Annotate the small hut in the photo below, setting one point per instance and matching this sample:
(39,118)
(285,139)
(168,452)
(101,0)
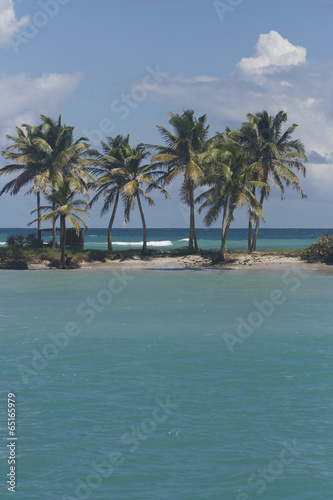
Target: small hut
(73,239)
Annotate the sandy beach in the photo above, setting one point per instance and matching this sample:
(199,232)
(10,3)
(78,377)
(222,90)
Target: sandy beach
(235,261)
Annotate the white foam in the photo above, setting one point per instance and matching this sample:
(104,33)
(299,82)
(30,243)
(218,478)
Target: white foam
(2,243)
(166,243)
(185,239)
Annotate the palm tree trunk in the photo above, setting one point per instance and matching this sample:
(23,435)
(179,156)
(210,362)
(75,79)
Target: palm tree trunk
(112,221)
(249,234)
(225,236)
(54,224)
(193,244)
(39,223)
(54,228)
(256,230)
(62,238)
(54,233)
(144,245)
(224,220)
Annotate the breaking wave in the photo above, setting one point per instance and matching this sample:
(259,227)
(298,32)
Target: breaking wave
(166,243)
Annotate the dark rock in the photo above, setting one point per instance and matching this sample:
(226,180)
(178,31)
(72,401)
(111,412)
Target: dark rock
(18,265)
(55,263)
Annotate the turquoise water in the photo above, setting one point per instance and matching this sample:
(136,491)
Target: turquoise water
(168,385)
(208,239)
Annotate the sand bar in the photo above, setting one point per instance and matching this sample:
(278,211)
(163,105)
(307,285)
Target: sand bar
(238,261)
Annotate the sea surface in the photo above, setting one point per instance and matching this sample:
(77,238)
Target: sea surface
(168,239)
(166,385)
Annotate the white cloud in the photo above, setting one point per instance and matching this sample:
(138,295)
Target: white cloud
(195,79)
(273,52)
(24,99)
(9,25)
(302,90)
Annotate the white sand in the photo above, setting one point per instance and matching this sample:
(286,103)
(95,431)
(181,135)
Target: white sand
(236,261)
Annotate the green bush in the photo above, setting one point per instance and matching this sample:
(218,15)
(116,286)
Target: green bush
(321,251)
(20,241)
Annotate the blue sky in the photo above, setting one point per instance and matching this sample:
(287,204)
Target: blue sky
(119,66)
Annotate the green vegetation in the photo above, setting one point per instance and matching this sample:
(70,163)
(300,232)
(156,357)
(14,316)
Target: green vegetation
(46,154)
(21,241)
(65,207)
(121,174)
(110,179)
(275,155)
(321,251)
(231,183)
(182,155)
(236,168)
(50,256)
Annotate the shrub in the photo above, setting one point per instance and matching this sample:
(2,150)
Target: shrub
(321,251)
(20,241)
(11,242)
(31,241)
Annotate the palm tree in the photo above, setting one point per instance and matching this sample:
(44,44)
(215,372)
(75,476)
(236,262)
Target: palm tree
(28,166)
(181,156)
(275,153)
(110,180)
(131,177)
(62,157)
(44,154)
(64,207)
(230,182)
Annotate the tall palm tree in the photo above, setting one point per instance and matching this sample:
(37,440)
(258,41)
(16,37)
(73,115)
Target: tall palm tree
(110,178)
(275,153)
(44,154)
(230,181)
(65,208)
(132,176)
(62,157)
(184,145)
(27,165)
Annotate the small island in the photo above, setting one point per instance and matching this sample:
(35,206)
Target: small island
(48,258)
(220,174)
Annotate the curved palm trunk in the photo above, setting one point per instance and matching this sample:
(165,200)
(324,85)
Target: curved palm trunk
(192,244)
(224,220)
(39,223)
(112,221)
(62,238)
(144,246)
(249,233)
(256,230)
(225,229)
(225,236)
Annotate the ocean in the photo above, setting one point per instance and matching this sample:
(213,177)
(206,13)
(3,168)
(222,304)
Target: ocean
(187,385)
(168,239)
